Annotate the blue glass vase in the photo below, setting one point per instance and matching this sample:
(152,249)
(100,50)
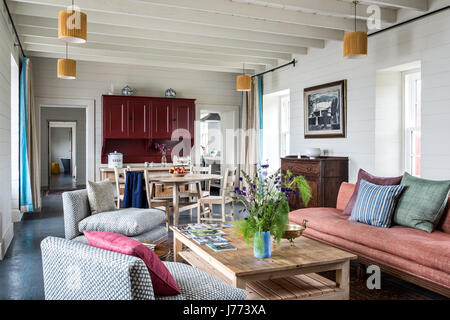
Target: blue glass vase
(266,250)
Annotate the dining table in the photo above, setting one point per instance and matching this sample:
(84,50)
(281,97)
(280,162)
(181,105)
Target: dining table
(177,181)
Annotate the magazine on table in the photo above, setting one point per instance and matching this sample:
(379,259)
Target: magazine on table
(208,232)
(220,225)
(210,239)
(221,247)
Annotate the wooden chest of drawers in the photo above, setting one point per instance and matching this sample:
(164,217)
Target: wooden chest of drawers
(325,176)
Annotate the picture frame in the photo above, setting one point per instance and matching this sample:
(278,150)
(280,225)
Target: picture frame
(325,110)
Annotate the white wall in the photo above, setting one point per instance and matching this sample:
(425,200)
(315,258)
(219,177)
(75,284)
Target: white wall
(60,147)
(77,115)
(426,40)
(6,49)
(211,89)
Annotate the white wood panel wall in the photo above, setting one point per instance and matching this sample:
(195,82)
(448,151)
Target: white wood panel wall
(427,40)
(6,49)
(94,79)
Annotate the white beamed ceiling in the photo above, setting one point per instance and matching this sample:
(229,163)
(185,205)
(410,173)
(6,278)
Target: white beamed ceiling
(216,35)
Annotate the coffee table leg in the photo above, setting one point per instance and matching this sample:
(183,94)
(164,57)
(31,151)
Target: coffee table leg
(177,247)
(343,279)
(176,203)
(239,283)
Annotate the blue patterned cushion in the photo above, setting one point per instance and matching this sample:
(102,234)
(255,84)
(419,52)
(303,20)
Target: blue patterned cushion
(375,204)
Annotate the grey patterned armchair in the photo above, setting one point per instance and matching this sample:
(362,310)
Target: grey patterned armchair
(76,271)
(77,210)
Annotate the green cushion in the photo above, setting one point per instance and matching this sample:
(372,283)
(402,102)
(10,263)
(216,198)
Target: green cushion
(422,203)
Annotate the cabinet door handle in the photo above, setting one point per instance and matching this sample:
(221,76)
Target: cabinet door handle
(145,118)
(122,117)
(309,169)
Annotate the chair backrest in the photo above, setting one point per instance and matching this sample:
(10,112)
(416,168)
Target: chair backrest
(229,181)
(149,187)
(203,170)
(122,277)
(76,208)
(120,177)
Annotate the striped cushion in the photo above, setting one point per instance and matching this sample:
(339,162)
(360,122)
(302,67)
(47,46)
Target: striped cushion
(375,204)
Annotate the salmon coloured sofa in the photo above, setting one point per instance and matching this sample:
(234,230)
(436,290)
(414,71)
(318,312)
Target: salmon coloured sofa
(410,254)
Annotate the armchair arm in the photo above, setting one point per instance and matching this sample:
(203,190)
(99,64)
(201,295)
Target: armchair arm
(75,271)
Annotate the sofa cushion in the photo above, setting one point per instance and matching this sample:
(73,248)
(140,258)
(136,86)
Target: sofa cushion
(431,250)
(129,222)
(375,204)
(345,194)
(364,175)
(422,204)
(163,282)
(444,224)
(101,196)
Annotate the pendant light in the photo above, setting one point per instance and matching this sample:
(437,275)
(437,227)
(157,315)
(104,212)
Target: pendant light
(244,82)
(355,43)
(72,25)
(67,68)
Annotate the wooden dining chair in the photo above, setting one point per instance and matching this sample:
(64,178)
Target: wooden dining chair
(155,202)
(206,191)
(120,178)
(205,205)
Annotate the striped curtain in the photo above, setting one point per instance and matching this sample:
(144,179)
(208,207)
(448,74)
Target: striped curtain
(30,199)
(251,144)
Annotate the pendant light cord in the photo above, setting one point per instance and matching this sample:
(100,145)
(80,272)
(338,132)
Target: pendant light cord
(356,3)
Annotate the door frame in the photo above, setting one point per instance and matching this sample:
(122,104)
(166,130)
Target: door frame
(89,106)
(73,150)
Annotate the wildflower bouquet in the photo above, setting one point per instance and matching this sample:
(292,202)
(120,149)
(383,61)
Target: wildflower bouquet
(266,201)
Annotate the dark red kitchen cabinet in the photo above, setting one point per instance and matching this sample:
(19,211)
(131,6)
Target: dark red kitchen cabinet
(139,126)
(183,113)
(161,119)
(132,125)
(115,124)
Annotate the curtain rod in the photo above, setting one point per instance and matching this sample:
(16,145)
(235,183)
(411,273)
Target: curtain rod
(410,20)
(14,28)
(293,62)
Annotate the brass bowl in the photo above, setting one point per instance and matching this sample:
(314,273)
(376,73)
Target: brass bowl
(294,231)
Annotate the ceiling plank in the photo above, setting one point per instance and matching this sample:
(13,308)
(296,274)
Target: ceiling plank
(28,15)
(417,5)
(145,43)
(133,61)
(107,48)
(147,16)
(330,7)
(58,51)
(161,36)
(261,12)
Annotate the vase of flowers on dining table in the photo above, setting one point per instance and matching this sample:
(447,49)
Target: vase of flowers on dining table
(163,148)
(265,199)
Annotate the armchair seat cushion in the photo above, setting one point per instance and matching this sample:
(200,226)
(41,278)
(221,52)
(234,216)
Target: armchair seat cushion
(196,284)
(129,222)
(155,235)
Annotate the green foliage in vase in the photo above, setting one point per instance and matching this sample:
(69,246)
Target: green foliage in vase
(266,202)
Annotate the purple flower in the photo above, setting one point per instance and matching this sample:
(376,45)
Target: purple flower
(265,166)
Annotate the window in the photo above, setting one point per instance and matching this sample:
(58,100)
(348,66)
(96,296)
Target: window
(284,126)
(276,128)
(413,118)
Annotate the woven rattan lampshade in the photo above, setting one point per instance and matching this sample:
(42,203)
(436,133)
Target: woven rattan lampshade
(67,69)
(244,83)
(72,26)
(355,45)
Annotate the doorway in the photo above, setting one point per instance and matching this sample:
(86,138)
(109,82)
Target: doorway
(62,155)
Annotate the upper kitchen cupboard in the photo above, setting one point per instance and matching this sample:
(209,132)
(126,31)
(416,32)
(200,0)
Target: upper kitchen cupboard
(131,125)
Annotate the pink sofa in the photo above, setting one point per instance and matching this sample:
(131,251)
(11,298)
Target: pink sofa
(412,255)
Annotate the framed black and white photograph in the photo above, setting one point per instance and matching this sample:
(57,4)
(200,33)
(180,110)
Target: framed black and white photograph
(326,110)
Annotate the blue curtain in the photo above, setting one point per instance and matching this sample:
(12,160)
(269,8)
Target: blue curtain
(26,196)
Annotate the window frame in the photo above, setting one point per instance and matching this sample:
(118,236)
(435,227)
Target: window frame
(411,126)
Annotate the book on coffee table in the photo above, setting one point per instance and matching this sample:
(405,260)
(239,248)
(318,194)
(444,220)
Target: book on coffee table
(221,247)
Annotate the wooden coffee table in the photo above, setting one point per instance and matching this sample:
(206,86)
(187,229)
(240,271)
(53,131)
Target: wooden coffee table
(290,274)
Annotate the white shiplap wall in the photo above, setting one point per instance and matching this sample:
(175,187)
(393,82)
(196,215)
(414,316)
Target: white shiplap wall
(94,80)
(6,49)
(426,40)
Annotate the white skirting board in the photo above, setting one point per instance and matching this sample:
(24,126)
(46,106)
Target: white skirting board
(6,241)
(16,215)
